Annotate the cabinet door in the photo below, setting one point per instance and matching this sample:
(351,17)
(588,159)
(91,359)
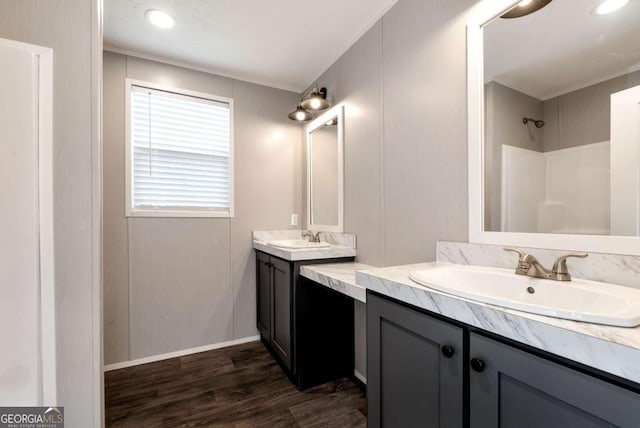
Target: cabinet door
(413,378)
(263,289)
(518,389)
(281,321)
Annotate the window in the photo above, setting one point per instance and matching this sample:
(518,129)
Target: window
(179,153)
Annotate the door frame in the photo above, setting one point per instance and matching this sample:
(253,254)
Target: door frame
(96,211)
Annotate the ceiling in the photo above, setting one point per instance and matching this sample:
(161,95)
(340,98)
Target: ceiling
(280,43)
(562,47)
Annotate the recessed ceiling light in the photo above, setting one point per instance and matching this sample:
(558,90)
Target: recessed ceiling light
(160,19)
(609,6)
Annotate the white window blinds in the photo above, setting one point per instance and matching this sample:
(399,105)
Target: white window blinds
(180,152)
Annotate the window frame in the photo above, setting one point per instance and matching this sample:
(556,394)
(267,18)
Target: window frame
(130,210)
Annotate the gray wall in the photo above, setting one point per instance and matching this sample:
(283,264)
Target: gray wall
(65,26)
(177,283)
(404,87)
(356,80)
(504,109)
(583,116)
(425,127)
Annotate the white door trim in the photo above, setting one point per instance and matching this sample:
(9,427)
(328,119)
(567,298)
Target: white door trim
(96,211)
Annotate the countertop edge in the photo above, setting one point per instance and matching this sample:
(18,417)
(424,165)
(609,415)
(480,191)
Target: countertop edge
(294,255)
(336,281)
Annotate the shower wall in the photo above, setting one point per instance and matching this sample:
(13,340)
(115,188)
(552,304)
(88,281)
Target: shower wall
(523,188)
(562,191)
(504,110)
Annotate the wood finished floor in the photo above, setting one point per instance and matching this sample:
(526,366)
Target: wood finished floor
(239,386)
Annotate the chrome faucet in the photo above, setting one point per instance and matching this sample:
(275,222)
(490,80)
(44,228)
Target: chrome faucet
(313,237)
(530,266)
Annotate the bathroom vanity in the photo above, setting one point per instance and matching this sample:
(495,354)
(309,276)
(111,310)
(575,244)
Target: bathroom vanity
(508,384)
(533,183)
(434,359)
(309,327)
(311,343)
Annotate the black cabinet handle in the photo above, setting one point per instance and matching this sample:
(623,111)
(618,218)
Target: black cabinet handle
(477,365)
(448,351)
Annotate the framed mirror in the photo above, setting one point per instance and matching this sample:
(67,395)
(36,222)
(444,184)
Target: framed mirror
(554,126)
(325,171)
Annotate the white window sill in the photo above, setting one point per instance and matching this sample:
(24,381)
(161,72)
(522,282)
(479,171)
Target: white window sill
(178,213)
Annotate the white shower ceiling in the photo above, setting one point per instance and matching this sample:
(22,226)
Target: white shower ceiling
(280,43)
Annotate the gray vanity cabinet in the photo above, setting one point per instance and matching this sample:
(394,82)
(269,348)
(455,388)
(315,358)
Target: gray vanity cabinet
(263,289)
(513,388)
(307,327)
(486,382)
(281,338)
(273,285)
(414,368)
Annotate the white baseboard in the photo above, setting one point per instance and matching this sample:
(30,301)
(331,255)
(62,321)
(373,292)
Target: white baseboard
(181,353)
(360,376)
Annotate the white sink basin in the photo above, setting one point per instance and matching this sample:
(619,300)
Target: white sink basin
(579,299)
(297,244)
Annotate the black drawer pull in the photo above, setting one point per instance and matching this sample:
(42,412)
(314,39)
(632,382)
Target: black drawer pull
(477,365)
(448,351)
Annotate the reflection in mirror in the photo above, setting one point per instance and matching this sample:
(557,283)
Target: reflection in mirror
(325,171)
(561,121)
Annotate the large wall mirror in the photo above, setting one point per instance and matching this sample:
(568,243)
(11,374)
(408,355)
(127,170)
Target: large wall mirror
(554,126)
(325,171)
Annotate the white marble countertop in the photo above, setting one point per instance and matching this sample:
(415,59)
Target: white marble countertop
(340,245)
(340,277)
(331,252)
(614,350)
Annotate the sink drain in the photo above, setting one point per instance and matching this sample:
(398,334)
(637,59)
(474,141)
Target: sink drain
(531,290)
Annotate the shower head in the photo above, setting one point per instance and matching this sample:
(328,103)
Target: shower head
(537,123)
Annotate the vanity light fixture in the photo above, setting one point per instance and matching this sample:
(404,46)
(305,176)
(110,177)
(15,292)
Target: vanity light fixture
(300,114)
(313,100)
(609,6)
(317,100)
(160,18)
(526,7)
(537,122)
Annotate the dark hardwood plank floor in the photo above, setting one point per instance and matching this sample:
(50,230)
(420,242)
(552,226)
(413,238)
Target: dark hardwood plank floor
(239,386)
